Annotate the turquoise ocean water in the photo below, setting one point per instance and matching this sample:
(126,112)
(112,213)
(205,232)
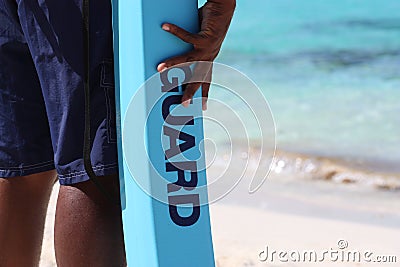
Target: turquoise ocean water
(330,71)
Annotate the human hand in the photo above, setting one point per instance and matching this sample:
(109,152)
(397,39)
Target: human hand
(215,17)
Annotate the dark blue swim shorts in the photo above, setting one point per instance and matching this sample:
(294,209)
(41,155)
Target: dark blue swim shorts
(42,99)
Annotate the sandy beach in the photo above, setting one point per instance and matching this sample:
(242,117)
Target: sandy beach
(296,214)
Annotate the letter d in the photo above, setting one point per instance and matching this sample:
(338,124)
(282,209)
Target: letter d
(263,255)
(175,201)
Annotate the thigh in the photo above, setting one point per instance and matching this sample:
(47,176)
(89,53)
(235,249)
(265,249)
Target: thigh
(96,224)
(23,206)
(25,145)
(54,32)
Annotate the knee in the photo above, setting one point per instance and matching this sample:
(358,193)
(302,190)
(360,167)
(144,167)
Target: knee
(103,192)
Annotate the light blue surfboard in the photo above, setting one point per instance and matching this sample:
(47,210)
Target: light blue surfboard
(161,186)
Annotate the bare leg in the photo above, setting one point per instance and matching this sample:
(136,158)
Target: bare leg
(88,230)
(23,206)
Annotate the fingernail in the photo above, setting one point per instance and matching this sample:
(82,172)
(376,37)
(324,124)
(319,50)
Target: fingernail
(166,27)
(204,106)
(161,67)
(186,103)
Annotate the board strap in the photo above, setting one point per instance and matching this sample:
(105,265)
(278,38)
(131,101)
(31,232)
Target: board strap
(87,147)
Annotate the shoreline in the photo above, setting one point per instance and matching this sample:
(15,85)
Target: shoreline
(335,170)
(371,164)
(310,166)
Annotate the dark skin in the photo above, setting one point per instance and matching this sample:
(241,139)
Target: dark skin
(215,17)
(88,226)
(88,230)
(23,206)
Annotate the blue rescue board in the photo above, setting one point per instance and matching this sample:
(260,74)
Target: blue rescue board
(168,228)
